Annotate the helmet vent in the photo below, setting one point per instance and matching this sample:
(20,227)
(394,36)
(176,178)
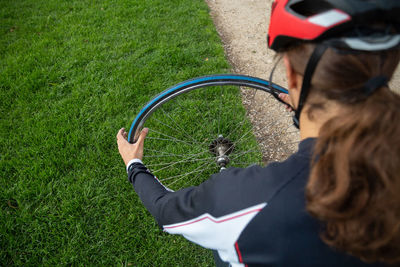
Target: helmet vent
(308,8)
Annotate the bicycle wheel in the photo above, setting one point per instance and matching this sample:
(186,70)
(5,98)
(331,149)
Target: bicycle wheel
(203,125)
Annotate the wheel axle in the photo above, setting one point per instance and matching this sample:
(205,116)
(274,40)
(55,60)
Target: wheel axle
(221,147)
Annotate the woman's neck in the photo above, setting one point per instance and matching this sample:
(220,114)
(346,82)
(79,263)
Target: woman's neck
(311,123)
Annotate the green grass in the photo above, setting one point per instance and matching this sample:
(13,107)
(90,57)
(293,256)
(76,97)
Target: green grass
(71,74)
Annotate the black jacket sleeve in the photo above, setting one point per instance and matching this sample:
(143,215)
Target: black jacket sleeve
(224,193)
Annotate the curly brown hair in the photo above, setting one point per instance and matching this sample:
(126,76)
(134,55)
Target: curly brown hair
(354,185)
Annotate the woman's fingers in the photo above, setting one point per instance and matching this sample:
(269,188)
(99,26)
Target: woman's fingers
(142,135)
(130,151)
(120,133)
(287,100)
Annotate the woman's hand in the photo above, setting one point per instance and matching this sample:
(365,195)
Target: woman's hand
(286,98)
(130,151)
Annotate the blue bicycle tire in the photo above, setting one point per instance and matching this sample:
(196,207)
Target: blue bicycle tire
(198,83)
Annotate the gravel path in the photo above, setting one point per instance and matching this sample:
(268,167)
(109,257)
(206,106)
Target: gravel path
(243,30)
(242,25)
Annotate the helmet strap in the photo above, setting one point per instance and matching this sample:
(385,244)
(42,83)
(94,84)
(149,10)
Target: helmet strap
(374,84)
(305,88)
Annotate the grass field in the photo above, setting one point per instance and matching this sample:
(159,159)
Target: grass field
(71,74)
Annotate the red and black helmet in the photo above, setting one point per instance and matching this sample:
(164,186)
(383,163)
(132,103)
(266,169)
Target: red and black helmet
(294,21)
(364,25)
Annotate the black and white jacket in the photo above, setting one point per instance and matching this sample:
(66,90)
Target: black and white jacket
(253,217)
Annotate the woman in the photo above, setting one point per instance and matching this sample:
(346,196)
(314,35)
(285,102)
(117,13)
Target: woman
(335,202)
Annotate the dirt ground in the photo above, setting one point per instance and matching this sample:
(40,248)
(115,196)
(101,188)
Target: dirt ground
(242,25)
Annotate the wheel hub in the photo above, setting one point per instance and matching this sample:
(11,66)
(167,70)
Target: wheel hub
(221,147)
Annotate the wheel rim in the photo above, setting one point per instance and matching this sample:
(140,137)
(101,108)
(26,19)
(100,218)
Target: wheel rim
(195,132)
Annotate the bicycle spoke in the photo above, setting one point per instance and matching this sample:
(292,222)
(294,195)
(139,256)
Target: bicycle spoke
(175,130)
(238,141)
(171,137)
(237,127)
(201,171)
(177,162)
(186,174)
(168,139)
(171,154)
(243,153)
(176,124)
(168,166)
(245,163)
(197,111)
